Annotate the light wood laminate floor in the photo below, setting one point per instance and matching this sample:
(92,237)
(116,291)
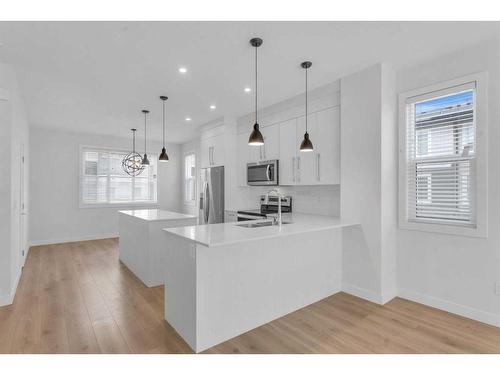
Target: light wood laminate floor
(78,298)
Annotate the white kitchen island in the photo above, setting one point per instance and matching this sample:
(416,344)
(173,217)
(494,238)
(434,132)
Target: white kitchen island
(142,241)
(223,279)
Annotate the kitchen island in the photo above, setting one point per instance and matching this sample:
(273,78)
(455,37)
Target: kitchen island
(225,279)
(141,241)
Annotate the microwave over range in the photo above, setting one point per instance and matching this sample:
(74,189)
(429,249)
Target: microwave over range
(263,173)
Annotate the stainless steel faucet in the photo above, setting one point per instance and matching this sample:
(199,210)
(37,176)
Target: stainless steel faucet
(278,218)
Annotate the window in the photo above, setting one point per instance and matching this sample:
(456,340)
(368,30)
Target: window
(442,170)
(190,179)
(104,182)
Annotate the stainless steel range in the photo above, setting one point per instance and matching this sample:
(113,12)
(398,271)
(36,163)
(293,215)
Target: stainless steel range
(266,208)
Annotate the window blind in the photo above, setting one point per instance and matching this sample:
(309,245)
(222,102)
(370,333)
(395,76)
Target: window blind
(190,178)
(441,156)
(103,181)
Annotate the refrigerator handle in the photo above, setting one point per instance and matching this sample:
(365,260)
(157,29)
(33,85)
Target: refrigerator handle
(207,204)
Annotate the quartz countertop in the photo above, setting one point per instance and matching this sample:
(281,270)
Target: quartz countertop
(156,215)
(211,235)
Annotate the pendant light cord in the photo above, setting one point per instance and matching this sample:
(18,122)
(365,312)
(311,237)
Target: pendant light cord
(145,138)
(164,124)
(306,100)
(133,141)
(256,84)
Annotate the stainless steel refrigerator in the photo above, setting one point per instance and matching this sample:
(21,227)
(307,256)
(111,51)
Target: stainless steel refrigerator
(212,195)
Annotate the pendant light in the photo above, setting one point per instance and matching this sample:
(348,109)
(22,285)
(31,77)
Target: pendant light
(256,138)
(131,163)
(306,145)
(163,156)
(145,160)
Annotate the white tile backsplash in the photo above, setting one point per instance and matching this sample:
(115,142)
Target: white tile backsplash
(320,200)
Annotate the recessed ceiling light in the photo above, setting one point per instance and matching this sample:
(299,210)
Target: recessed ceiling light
(212,107)
(182,70)
(188,118)
(248,89)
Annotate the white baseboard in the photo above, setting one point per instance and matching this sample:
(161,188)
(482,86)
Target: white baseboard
(389,296)
(72,239)
(7,299)
(452,307)
(367,294)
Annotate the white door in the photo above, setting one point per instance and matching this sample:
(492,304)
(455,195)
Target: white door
(288,152)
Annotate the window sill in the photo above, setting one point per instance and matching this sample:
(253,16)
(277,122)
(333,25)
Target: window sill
(134,205)
(457,230)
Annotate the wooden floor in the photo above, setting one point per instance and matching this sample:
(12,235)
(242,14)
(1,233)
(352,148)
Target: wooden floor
(78,298)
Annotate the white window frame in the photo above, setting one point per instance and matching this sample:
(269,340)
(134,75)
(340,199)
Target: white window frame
(82,204)
(185,201)
(481,183)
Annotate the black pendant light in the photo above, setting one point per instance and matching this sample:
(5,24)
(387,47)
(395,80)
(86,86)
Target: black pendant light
(163,156)
(256,138)
(306,145)
(145,160)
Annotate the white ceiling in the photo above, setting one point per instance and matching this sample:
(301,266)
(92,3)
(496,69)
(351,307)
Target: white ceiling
(97,76)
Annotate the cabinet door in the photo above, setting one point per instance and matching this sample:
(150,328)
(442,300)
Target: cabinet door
(328,146)
(271,148)
(218,152)
(205,150)
(242,156)
(288,152)
(306,161)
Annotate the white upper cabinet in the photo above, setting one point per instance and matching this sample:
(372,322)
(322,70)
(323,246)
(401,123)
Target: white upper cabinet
(212,151)
(288,152)
(282,141)
(271,148)
(318,167)
(328,146)
(242,157)
(205,152)
(306,161)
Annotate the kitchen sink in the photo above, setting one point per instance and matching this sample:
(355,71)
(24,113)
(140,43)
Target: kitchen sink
(261,224)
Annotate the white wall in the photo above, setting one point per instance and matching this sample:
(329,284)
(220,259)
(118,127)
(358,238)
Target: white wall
(458,273)
(369,183)
(55,213)
(14,132)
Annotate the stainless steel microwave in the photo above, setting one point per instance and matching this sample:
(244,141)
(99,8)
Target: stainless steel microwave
(263,173)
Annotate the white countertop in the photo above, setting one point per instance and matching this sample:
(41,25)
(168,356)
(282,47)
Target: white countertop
(227,233)
(156,215)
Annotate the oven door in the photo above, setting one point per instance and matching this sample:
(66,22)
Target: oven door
(263,173)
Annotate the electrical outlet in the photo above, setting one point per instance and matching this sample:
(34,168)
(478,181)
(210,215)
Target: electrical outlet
(497,288)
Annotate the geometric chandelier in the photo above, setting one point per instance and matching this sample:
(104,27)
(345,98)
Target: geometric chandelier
(131,163)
